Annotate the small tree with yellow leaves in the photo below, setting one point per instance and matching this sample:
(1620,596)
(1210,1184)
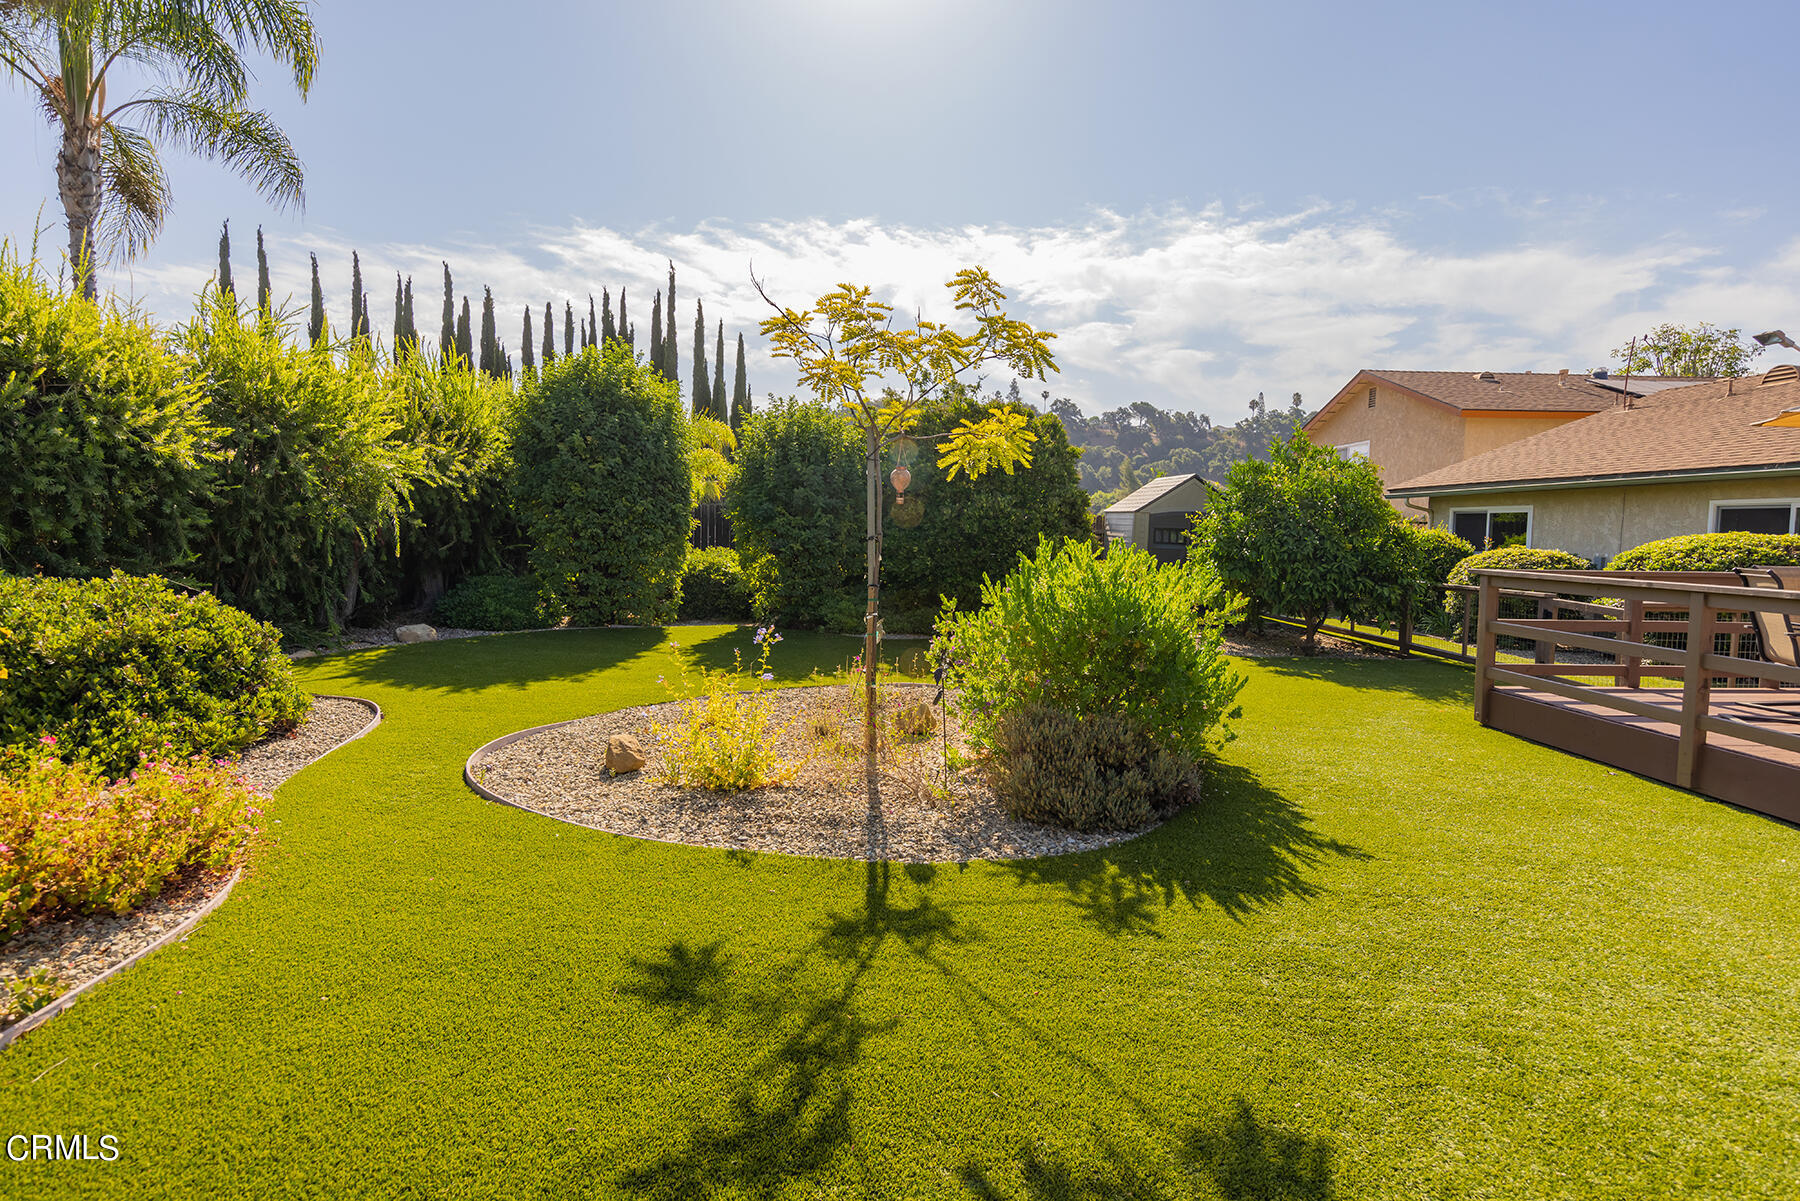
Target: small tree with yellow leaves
(850,353)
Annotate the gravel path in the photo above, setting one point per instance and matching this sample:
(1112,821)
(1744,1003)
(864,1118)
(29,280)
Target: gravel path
(75,949)
(822,812)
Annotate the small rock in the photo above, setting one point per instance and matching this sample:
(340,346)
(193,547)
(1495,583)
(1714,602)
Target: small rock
(917,720)
(418,633)
(302,654)
(624,753)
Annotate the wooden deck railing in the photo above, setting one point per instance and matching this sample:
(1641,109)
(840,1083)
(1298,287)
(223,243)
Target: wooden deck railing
(1619,628)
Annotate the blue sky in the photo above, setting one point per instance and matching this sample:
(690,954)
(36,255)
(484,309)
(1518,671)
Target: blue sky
(1204,200)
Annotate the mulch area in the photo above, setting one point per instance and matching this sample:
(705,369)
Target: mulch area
(74,948)
(925,815)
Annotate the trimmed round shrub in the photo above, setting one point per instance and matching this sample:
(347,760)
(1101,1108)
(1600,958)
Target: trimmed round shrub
(1085,773)
(116,668)
(1711,552)
(495,602)
(797,512)
(1508,558)
(1122,636)
(713,586)
(603,486)
(1438,551)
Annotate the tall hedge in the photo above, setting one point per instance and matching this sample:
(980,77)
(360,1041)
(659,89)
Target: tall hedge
(1711,552)
(970,530)
(307,472)
(602,486)
(797,514)
(101,436)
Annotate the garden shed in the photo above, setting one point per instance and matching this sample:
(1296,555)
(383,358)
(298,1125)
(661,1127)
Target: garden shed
(1157,516)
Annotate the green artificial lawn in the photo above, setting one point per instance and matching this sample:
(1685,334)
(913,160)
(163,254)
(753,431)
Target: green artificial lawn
(1391,955)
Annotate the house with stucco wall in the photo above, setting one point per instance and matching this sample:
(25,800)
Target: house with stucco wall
(1713,457)
(1412,423)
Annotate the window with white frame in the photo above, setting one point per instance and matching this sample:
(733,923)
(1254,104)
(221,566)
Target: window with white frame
(1773,516)
(1352,448)
(1488,528)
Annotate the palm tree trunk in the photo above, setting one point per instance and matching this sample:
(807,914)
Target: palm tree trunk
(79,182)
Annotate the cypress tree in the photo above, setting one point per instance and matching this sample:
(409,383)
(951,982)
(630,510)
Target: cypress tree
(671,357)
(315,323)
(549,335)
(363,316)
(593,323)
(465,339)
(525,345)
(656,334)
(399,319)
(740,390)
(490,343)
(702,389)
(412,325)
(359,305)
(625,329)
(225,288)
(608,331)
(568,327)
(264,293)
(447,334)
(718,379)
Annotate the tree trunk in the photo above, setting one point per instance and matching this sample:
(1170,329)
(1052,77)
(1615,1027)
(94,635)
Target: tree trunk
(871,648)
(79,182)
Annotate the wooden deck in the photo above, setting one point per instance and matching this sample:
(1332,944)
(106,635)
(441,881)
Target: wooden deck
(1731,729)
(1764,778)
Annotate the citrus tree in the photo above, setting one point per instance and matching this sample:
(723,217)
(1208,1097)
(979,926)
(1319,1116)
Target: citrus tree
(852,354)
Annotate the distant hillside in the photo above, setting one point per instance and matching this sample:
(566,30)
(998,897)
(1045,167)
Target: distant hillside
(1128,447)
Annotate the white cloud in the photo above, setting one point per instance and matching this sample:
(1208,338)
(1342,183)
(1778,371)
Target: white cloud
(1187,309)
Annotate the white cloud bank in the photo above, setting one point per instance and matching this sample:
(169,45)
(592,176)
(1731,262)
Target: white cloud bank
(1191,310)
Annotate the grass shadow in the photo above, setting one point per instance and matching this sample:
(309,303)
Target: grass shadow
(1245,1158)
(1427,679)
(1241,848)
(502,660)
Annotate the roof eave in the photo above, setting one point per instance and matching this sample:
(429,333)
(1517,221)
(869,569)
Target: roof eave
(1683,475)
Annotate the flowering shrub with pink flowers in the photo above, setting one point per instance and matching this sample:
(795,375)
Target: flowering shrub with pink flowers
(73,840)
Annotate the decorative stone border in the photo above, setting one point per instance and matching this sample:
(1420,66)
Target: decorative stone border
(67,1001)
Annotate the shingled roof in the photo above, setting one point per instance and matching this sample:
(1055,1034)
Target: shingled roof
(1502,391)
(1714,428)
(1161,486)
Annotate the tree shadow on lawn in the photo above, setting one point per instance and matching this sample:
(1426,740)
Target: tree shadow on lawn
(788,1114)
(1423,678)
(1245,1157)
(1242,847)
(502,660)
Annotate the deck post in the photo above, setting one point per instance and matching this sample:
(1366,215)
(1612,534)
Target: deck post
(1546,647)
(1696,689)
(1634,632)
(1485,615)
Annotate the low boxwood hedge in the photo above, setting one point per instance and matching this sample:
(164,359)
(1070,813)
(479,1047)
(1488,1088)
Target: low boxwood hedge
(1711,552)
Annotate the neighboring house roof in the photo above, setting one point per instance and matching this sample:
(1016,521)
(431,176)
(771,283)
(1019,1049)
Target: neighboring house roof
(1157,488)
(1719,428)
(1502,391)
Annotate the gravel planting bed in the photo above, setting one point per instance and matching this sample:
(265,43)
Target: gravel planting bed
(76,949)
(824,811)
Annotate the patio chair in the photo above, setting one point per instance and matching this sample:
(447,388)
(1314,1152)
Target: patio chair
(1776,632)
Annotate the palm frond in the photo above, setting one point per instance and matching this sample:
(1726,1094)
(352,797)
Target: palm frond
(137,192)
(247,141)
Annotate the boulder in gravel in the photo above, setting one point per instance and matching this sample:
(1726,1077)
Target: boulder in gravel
(916,720)
(624,753)
(418,633)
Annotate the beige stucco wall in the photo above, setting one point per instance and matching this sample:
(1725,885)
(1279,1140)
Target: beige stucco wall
(1407,436)
(1598,523)
(1482,433)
